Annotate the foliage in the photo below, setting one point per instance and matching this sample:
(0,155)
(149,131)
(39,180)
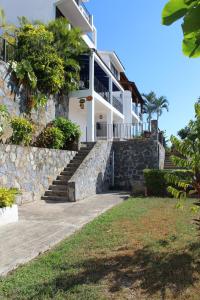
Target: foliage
(5,126)
(47,59)
(154,104)
(160,104)
(7,30)
(69,45)
(166,141)
(37,66)
(184,132)
(7,197)
(189,11)
(189,158)
(22,131)
(70,130)
(51,137)
(149,107)
(156,181)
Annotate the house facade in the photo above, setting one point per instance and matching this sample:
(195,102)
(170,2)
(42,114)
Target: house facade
(107,105)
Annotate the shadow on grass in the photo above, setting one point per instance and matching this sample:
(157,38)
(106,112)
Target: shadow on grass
(153,273)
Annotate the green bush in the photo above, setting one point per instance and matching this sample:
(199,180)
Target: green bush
(70,130)
(7,197)
(22,131)
(51,138)
(156,180)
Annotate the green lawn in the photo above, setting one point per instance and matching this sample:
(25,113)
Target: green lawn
(141,249)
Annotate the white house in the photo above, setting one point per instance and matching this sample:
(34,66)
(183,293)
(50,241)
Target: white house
(105,106)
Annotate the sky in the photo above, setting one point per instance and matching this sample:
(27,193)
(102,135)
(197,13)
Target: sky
(151,54)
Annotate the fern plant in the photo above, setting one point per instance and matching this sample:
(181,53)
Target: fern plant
(189,159)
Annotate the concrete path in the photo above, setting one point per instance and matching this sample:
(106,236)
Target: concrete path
(42,225)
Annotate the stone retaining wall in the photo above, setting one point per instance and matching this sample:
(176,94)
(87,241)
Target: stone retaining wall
(131,158)
(31,169)
(15,101)
(95,173)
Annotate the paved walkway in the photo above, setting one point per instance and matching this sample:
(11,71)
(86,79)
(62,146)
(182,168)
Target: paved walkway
(42,225)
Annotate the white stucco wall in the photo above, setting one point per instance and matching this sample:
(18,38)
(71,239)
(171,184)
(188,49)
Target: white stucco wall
(78,116)
(43,10)
(127,107)
(105,58)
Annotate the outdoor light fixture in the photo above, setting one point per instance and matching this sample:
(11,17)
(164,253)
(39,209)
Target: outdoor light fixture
(100,117)
(82,103)
(89,98)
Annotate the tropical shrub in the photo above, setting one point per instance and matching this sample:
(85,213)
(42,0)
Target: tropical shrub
(22,131)
(156,181)
(188,158)
(7,197)
(50,137)
(37,65)
(70,130)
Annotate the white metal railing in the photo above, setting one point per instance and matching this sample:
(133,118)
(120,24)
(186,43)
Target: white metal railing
(119,131)
(84,11)
(117,103)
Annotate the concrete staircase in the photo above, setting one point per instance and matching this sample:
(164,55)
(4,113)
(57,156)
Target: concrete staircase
(168,163)
(58,190)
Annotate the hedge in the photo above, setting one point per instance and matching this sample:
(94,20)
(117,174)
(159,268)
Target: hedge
(156,182)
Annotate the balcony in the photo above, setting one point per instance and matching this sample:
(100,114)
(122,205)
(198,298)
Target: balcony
(135,108)
(77,14)
(117,103)
(101,89)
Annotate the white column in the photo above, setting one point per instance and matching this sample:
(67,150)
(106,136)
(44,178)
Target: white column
(110,125)
(90,104)
(111,89)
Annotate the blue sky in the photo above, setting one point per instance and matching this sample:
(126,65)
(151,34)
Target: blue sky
(151,54)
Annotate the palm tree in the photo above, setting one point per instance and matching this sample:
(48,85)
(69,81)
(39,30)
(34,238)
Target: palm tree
(149,107)
(7,30)
(160,104)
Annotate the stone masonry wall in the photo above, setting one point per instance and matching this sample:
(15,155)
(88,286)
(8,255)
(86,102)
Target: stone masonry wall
(95,173)
(131,158)
(14,99)
(31,169)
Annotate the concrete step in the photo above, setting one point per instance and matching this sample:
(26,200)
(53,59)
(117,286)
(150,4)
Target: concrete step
(56,199)
(64,177)
(65,173)
(60,182)
(71,169)
(58,187)
(53,193)
(74,164)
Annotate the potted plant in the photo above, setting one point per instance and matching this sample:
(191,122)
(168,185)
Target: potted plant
(8,207)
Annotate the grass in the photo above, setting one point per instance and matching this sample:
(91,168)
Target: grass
(141,249)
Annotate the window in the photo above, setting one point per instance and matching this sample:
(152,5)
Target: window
(114,71)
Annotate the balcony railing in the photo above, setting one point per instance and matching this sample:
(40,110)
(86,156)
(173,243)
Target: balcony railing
(101,89)
(135,108)
(84,11)
(117,103)
(118,131)
(6,50)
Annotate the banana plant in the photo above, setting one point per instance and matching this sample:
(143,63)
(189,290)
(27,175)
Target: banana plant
(189,159)
(189,12)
